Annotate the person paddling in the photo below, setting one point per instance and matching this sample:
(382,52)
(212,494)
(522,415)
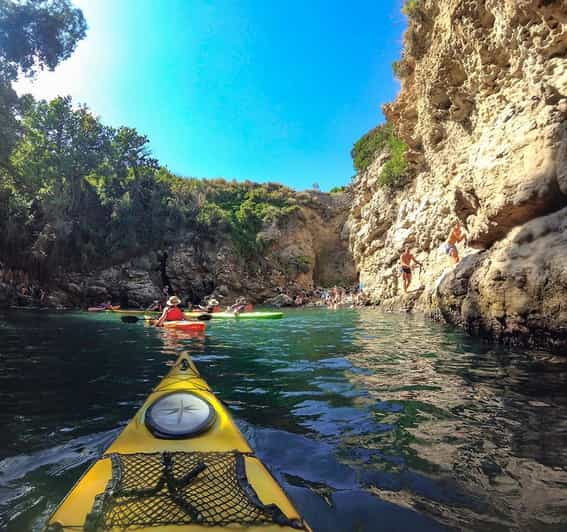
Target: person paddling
(171,312)
(406,259)
(209,305)
(238,307)
(155,306)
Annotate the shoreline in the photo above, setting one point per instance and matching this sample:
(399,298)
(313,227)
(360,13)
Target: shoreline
(554,343)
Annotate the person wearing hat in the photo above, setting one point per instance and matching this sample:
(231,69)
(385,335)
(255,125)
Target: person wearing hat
(238,307)
(213,305)
(210,304)
(171,312)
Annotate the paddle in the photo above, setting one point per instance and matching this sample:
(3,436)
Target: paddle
(134,319)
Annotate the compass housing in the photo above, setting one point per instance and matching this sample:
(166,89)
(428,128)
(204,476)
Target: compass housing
(178,415)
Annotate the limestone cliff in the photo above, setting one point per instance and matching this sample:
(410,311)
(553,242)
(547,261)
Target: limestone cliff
(483,109)
(305,249)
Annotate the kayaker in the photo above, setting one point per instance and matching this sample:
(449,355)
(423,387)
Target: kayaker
(155,306)
(210,304)
(171,312)
(238,307)
(213,305)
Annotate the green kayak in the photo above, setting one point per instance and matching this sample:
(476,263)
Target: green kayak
(133,312)
(243,315)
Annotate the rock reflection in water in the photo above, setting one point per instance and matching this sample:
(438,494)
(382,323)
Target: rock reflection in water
(487,427)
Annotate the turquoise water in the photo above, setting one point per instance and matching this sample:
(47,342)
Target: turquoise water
(370,421)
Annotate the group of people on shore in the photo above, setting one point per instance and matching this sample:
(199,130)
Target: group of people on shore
(407,259)
(22,287)
(334,297)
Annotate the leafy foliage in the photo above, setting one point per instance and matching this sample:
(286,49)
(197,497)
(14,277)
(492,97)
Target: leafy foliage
(411,8)
(77,193)
(379,139)
(339,190)
(34,34)
(401,69)
(395,168)
(81,193)
(366,148)
(37,34)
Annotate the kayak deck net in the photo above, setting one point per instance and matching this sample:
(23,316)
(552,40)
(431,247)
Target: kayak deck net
(181,488)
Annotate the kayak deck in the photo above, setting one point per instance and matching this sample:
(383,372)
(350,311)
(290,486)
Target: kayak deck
(206,481)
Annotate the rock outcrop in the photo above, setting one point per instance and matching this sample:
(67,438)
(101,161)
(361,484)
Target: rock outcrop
(305,249)
(483,109)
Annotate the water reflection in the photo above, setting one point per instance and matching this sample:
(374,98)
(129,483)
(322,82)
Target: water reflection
(486,428)
(369,420)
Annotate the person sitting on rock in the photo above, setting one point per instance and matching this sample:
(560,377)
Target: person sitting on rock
(457,235)
(171,312)
(406,258)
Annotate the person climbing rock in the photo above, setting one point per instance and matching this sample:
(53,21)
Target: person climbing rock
(406,259)
(457,235)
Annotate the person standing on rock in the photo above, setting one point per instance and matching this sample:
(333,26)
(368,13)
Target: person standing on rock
(406,259)
(457,235)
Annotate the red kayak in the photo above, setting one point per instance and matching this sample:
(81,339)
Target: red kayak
(182,325)
(193,326)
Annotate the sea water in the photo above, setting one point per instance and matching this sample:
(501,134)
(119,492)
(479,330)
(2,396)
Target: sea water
(370,421)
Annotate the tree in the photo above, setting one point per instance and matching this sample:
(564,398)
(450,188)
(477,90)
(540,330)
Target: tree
(37,34)
(34,34)
(131,151)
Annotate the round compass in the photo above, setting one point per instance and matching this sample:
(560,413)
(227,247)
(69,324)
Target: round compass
(179,415)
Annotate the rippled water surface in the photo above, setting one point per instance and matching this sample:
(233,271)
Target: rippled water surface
(370,421)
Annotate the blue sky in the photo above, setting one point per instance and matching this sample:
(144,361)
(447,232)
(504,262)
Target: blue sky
(265,90)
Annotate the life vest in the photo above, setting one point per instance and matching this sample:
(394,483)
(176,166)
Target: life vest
(174,314)
(249,308)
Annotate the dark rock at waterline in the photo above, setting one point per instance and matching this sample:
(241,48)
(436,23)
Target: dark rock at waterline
(281,300)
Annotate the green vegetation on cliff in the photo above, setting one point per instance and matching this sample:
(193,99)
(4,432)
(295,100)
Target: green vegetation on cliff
(80,194)
(339,190)
(401,69)
(382,139)
(411,8)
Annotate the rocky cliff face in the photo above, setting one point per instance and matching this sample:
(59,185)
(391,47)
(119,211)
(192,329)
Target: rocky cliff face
(483,109)
(306,249)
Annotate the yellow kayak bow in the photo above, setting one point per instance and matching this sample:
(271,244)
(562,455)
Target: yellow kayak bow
(181,464)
